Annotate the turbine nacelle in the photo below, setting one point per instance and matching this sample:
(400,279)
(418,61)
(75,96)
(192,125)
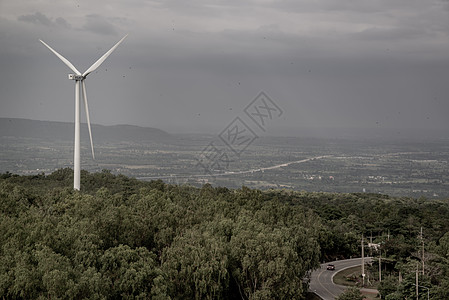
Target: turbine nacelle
(76,77)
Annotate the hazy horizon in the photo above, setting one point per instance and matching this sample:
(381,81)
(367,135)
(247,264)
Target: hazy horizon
(304,132)
(196,66)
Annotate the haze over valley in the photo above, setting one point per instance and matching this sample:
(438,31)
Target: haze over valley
(368,163)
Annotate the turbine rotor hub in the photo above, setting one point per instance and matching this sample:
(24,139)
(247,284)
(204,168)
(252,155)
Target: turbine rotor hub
(76,77)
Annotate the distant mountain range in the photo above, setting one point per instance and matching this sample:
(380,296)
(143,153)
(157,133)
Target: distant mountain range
(65,131)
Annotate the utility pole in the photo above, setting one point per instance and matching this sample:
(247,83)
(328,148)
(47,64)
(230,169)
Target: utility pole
(363,263)
(422,242)
(417,285)
(380,267)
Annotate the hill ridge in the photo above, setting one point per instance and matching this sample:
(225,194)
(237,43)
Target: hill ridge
(28,128)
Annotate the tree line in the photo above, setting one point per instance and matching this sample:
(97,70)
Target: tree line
(123,238)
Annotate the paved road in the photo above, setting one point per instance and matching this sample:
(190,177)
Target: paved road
(231,173)
(321,282)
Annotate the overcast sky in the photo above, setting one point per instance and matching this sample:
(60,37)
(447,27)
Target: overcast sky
(195,65)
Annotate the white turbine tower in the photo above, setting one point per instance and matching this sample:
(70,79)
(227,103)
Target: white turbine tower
(79,78)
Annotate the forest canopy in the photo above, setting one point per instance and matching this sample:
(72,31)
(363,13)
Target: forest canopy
(123,238)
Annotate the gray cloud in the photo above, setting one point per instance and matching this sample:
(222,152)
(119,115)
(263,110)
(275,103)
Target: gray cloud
(99,25)
(39,18)
(389,34)
(348,6)
(36,18)
(336,64)
(62,23)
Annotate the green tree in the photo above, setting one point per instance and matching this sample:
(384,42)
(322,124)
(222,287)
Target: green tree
(443,247)
(197,265)
(351,293)
(387,286)
(131,273)
(265,263)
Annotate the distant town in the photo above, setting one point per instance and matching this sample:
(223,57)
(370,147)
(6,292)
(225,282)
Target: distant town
(398,168)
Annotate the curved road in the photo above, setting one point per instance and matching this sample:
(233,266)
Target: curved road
(321,280)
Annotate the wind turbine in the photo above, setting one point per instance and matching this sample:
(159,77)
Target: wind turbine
(79,82)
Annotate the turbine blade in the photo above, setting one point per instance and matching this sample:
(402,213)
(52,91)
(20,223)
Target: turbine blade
(102,59)
(64,60)
(86,106)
